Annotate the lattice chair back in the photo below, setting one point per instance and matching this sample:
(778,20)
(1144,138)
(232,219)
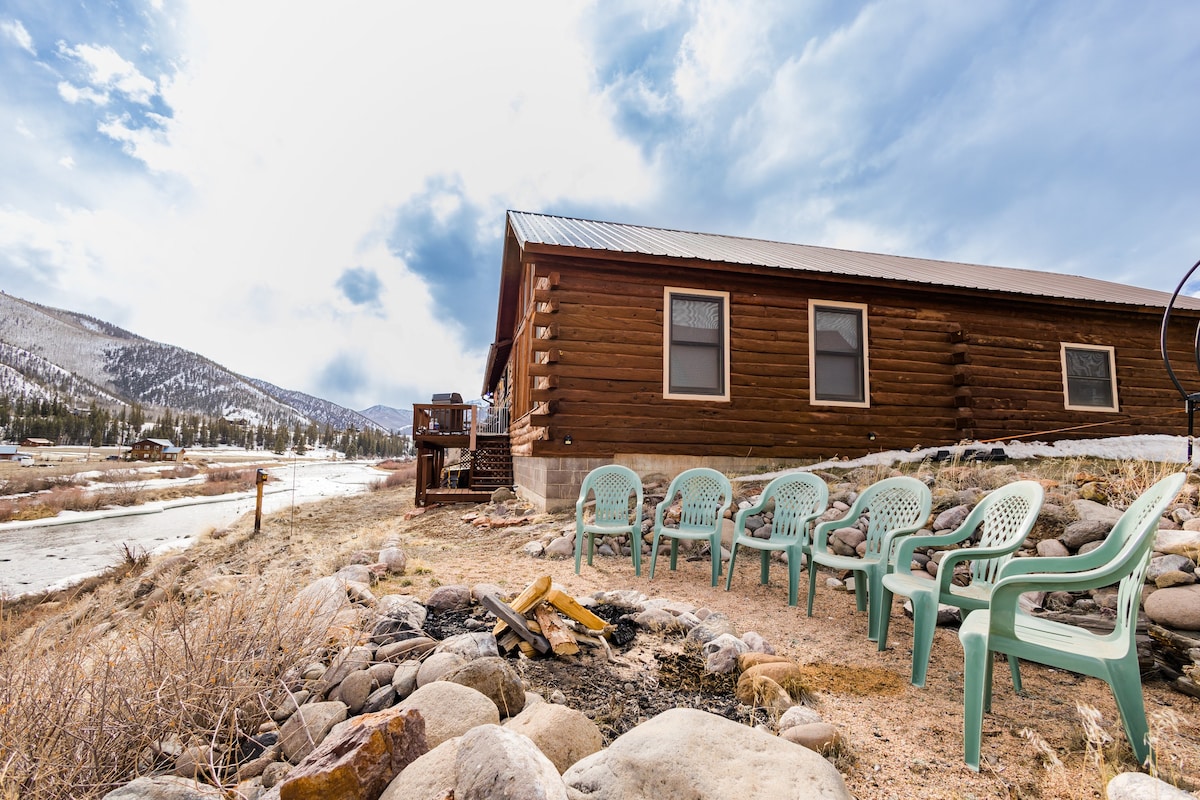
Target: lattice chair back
(892,504)
(1006,523)
(1133,538)
(703,494)
(613,487)
(797,498)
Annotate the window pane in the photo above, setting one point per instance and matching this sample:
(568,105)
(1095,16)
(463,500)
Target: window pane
(838,378)
(695,369)
(697,345)
(695,320)
(839,360)
(1089,378)
(837,330)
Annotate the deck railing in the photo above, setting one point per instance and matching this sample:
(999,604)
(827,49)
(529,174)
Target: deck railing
(458,418)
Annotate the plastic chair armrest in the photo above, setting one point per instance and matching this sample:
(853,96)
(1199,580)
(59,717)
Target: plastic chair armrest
(910,543)
(1035,564)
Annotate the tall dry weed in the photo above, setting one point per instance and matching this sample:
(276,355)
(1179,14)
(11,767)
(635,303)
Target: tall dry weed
(85,707)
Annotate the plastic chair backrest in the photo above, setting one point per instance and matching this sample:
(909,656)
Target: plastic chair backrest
(1133,540)
(703,494)
(798,497)
(1005,524)
(613,485)
(891,504)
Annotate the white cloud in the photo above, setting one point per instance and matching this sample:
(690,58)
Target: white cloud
(67,162)
(290,145)
(14,30)
(109,71)
(75,94)
(726,48)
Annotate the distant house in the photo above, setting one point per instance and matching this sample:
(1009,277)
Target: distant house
(35,442)
(155,450)
(662,349)
(9,452)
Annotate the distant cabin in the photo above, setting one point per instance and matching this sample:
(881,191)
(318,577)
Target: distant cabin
(34,442)
(9,452)
(155,450)
(662,349)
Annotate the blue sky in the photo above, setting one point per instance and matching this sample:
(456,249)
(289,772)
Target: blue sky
(314,193)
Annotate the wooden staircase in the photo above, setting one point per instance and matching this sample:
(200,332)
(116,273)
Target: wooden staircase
(492,465)
(458,460)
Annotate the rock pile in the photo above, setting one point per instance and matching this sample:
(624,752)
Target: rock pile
(401,714)
(1075,518)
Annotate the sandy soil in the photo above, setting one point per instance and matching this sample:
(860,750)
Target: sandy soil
(900,741)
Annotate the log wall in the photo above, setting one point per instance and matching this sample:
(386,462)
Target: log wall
(944,366)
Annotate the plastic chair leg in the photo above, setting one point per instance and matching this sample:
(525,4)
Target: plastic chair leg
(793,557)
(1126,683)
(924,622)
(764,569)
(812,585)
(635,549)
(733,548)
(874,581)
(975,680)
(885,616)
(579,537)
(714,549)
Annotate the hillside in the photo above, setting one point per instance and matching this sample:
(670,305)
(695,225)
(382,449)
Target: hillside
(47,352)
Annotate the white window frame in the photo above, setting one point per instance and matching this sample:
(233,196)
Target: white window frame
(1112,377)
(668,293)
(813,307)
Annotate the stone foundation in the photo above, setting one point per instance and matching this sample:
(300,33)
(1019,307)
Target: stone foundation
(552,484)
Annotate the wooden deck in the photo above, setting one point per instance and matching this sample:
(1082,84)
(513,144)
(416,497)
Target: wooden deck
(457,462)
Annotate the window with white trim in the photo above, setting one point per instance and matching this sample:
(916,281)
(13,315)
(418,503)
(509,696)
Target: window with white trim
(837,336)
(1089,377)
(695,344)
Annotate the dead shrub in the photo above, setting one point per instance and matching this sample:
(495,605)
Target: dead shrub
(80,706)
(403,473)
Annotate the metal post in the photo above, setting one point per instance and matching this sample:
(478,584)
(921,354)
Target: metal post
(260,478)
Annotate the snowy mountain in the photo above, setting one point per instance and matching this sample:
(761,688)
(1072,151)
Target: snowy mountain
(390,419)
(47,352)
(323,411)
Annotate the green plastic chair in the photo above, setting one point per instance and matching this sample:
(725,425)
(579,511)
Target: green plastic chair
(894,508)
(704,496)
(612,486)
(798,499)
(1003,519)
(1112,657)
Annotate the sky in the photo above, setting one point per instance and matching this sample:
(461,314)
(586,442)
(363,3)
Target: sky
(314,193)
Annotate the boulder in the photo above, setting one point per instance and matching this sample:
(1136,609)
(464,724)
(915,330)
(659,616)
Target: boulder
(308,727)
(563,734)
(1140,786)
(450,710)
(455,597)
(165,787)
(494,677)
(1175,607)
(671,755)
(494,762)
(1084,531)
(430,777)
(359,758)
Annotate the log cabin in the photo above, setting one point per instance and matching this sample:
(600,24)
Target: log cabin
(662,350)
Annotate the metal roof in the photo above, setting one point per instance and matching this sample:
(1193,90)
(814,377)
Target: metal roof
(566,232)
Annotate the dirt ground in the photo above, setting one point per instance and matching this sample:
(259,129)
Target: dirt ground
(899,741)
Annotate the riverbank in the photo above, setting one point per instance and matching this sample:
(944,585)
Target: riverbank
(212,638)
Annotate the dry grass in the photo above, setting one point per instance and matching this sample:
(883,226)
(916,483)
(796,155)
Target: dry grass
(85,707)
(91,687)
(401,473)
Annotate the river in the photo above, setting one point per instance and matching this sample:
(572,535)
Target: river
(53,553)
